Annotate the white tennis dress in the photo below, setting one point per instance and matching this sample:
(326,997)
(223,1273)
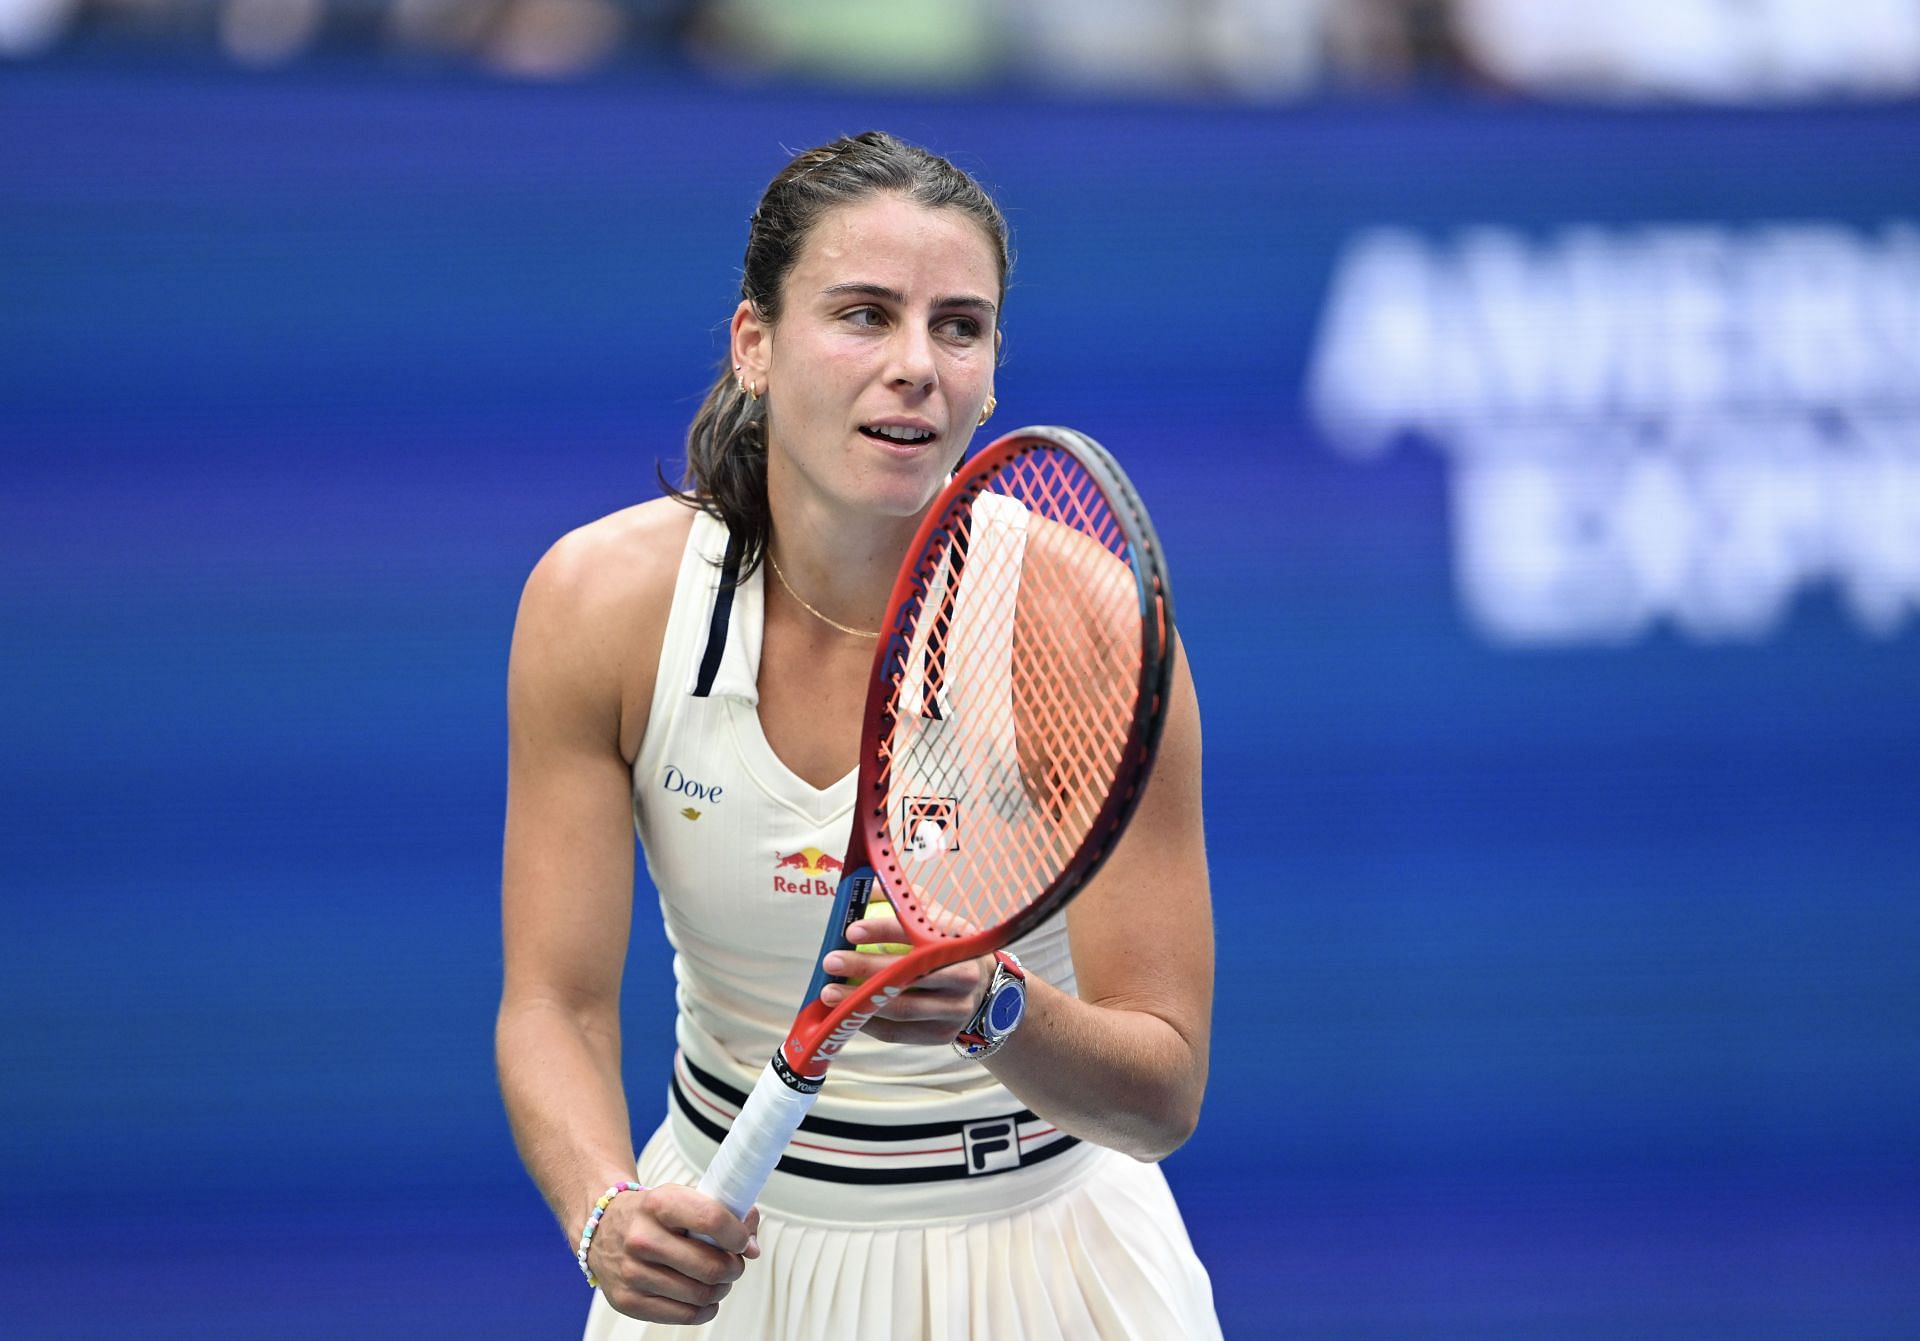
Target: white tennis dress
(919,1200)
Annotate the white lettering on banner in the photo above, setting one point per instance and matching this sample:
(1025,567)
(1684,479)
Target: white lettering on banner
(1679,423)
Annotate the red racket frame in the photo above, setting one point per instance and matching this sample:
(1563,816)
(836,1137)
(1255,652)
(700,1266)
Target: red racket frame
(819,1032)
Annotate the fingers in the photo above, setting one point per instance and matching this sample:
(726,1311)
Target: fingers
(955,982)
(882,928)
(649,1268)
(958,979)
(921,1033)
(683,1210)
(932,1009)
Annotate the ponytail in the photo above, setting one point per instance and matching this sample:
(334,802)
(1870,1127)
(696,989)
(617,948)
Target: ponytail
(727,466)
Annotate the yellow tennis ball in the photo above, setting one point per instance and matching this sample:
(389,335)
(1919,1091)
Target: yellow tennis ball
(880,908)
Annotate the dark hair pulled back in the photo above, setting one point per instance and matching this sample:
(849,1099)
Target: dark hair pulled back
(727,442)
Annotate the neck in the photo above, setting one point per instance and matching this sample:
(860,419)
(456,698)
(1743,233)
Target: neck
(842,566)
(780,576)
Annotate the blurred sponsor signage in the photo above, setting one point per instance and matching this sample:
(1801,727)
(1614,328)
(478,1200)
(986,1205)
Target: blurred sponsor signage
(1679,424)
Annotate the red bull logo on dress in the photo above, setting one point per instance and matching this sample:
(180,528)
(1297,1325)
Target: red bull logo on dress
(808,871)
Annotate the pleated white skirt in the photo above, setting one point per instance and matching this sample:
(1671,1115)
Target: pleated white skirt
(1105,1257)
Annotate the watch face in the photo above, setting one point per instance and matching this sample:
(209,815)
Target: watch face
(1008,1005)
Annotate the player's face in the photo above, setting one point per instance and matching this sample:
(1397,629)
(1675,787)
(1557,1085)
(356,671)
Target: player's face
(882,359)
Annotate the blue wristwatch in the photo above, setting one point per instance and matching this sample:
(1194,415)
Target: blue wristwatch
(1000,1013)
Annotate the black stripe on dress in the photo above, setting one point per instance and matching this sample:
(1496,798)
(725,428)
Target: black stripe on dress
(836,1173)
(854,1131)
(722,614)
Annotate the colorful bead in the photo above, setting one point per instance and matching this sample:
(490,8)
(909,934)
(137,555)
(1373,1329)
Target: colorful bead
(593,1223)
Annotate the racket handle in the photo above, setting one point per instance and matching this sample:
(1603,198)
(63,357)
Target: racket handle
(746,1158)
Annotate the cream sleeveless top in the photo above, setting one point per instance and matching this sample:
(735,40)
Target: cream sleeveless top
(746,857)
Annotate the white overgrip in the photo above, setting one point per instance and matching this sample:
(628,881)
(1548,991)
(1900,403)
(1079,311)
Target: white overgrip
(746,1158)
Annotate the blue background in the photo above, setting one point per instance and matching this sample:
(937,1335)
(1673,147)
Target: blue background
(1562,994)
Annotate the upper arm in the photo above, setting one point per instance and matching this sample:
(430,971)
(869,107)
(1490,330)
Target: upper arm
(567,864)
(1142,931)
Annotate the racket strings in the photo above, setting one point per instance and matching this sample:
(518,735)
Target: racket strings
(1015,696)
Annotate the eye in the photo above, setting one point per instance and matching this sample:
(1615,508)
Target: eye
(961,328)
(866,317)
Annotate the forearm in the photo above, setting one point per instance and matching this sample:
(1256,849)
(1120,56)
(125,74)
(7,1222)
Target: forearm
(560,1078)
(1124,1078)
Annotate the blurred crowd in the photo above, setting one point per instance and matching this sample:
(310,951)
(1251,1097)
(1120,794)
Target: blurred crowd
(1734,51)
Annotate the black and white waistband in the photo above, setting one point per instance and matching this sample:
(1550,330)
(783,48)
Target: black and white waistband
(835,1151)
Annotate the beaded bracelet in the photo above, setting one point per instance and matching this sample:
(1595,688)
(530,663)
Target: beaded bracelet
(593,1223)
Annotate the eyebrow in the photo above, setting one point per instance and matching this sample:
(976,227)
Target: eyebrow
(899,299)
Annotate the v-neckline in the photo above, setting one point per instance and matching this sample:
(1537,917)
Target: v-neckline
(775,777)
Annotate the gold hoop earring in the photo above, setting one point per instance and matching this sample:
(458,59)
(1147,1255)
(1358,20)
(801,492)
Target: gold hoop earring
(746,387)
(991,406)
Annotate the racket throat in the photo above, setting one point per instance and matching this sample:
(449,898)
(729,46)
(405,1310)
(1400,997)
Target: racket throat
(802,1064)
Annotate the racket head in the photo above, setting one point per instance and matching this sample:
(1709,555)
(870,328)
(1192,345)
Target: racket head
(1014,711)
(998,771)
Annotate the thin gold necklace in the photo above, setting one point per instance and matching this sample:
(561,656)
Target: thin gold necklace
(858,633)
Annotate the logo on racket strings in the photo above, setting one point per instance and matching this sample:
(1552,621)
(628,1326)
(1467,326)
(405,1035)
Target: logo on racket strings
(929,826)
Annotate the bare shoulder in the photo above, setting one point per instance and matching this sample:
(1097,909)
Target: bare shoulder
(628,558)
(594,613)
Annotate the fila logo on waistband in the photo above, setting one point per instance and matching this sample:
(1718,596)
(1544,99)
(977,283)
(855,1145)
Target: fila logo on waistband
(835,1150)
(991,1146)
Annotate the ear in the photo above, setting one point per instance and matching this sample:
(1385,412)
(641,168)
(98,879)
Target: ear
(751,344)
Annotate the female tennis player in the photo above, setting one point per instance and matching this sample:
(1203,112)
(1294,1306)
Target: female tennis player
(981,1162)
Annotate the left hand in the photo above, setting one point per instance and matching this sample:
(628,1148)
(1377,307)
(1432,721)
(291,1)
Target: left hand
(932,1009)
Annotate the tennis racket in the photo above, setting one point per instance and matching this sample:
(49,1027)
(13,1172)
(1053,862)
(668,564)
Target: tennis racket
(1016,703)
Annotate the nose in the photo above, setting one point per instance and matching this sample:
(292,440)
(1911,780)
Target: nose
(912,366)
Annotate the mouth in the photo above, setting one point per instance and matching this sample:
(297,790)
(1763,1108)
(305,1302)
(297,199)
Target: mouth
(899,435)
